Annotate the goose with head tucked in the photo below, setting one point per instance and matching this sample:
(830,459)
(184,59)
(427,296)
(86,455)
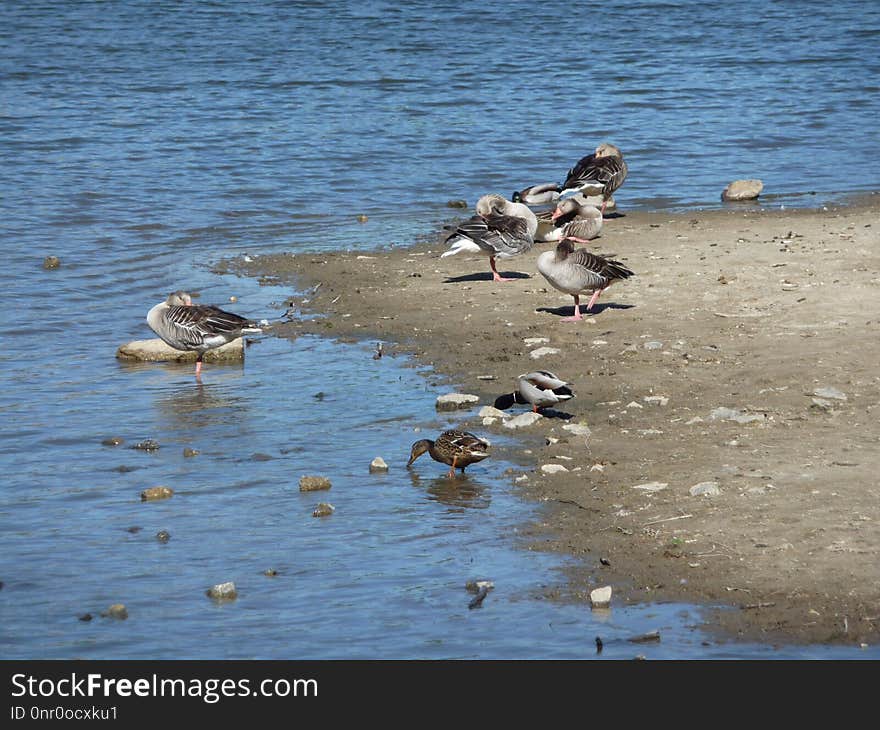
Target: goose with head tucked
(500,229)
(541,194)
(540,388)
(599,173)
(577,271)
(456,448)
(196,327)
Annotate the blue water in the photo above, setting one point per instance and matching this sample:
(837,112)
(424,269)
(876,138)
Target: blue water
(141,143)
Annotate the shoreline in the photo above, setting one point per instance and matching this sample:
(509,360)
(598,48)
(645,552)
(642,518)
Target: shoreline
(754,310)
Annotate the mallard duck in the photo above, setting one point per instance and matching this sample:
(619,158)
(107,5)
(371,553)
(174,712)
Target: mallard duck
(575,271)
(599,173)
(500,229)
(573,218)
(456,448)
(541,388)
(196,327)
(537,194)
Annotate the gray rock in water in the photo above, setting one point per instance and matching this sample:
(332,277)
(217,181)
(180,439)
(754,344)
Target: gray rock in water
(378,465)
(313,484)
(157,351)
(456,204)
(163,536)
(222,592)
(491,412)
(742,190)
(705,489)
(455,401)
(147,445)
(189,453)
(153,493)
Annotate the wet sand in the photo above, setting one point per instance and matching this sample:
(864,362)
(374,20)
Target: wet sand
(739,308)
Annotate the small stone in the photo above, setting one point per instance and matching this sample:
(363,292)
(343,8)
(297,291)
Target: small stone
(705,489)
(660,400)
(601,597)
(112,441)
(651,486)
(532,341)
(523,420)
(323,509)
(378,465)
(222,592)
(456,204)
(543,351)
(117,611)
(820,404)
(695,419)
(491,412)
(734,414)
(163,536)
(85,617)
(552,468)
(362,218)
(578,429)
(829,392)
(597,467)
(189,453)
(313,484)
(51,262)
(233,299)
(153,493)
(270,572)
(742,190)
(634,404)
(653,345)
(475,586)
(147,445)
(456,401)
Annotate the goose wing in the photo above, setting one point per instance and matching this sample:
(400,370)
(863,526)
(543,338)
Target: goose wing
(609,172)
(193,325)
(599,266)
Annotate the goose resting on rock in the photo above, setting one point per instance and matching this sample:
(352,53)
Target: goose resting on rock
(599,173)
(541,388)
(576,271)
(456,448)
(500,229)
(196,327)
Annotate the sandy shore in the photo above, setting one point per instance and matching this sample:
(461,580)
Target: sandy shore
(739,308)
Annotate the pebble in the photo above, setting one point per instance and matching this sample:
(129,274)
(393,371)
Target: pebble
(378,465)
(491,412)
(313,484)
(163,536)
(153,493)
(456,401)
(531,341)
(653,345)
(188,453)
(222,591)
(820,404)
(578,429)
(660,400)
(651,486)
(523,420)
(705,489)
(51,262)
(323,509)
(552,468)
(601,597)
(634,404)
(112,441)
(829,392)
(118,611)
(734,414)
(543,351)
(147,445)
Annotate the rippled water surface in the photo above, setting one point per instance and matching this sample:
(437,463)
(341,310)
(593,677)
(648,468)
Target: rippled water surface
(143,142)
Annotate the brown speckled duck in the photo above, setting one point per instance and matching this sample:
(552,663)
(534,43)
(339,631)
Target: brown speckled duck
(456,448)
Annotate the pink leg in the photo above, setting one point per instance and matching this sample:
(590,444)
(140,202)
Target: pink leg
(604,203)
(577,311)
(594,298)
(199,368)
(495,275)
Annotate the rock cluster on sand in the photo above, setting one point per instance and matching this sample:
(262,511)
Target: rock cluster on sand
(742,190)
(454,401)
(156,350)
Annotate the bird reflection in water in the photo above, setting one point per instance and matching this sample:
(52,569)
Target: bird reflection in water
(457,494)
(203,406)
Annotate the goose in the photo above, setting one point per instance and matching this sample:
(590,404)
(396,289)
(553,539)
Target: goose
(572,218)
(537,194)
(599,173)
(196,327)
(500,229)
(541,388)
(575,271)
(456,448)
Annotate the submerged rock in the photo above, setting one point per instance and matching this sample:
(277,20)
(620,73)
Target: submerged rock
(601,597)
(163,536)
(222,592)
(742,190)
(378,465)
(313,484)
(51,262)
(156,350)
(112,441)
(117,611)
(455,401)
(153,493)
(189,453)
(147,445)
(324,509)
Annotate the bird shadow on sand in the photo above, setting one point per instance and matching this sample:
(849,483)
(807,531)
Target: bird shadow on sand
(485,276)
(598,308)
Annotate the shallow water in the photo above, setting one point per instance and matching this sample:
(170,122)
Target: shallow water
(142,143)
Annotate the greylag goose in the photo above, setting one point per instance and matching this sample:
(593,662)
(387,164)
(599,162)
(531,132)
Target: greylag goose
(576,271)
(572,218)
(599,173)
(541,388)
(456,448)
(500,229)
(538,194)
(196,327)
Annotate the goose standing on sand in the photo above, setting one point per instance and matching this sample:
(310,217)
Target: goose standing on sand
(572,218)
(456,448)
(538,194)
(577,271)
(500,229)
(196,327)
(540,388)
(599,173)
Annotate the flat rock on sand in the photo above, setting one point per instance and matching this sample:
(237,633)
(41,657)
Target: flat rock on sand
(794,539)
(156,350)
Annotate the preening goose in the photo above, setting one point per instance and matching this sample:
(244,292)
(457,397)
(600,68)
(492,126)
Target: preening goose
(572,218)
(538,194)
(456,448)
(196,327)
(540,388)
(599,173)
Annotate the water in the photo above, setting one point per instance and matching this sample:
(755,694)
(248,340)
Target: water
(143,142)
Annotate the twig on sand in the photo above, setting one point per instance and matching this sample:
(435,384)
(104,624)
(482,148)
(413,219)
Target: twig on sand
(667,519)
